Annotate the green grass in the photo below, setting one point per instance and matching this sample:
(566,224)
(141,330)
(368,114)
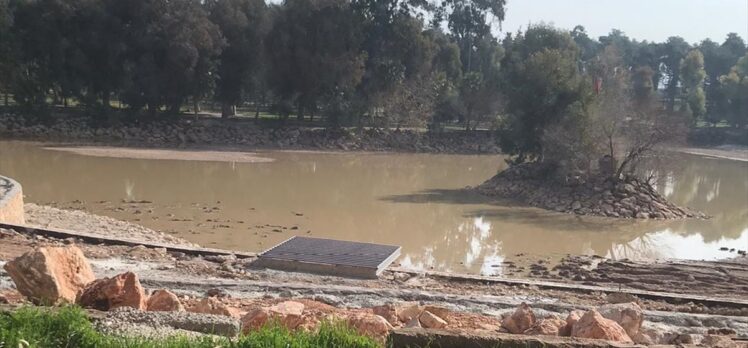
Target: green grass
(70,327)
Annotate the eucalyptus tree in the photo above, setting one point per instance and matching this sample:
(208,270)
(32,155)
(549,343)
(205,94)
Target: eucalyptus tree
(735,85)
(673,52)
(692,79)
(543,87)
(171,49)
(315,56)
(243,24)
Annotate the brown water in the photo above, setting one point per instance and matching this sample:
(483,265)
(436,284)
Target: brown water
(410,200)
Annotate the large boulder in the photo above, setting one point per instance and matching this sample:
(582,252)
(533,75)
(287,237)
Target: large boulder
(629,315)
(287,313)
(164,301)
(431,321)
(370,325)
(388,312)
(522,319)
(593,325)
(123,290)
(408,311)
(549,326)
(571,319)
(50,275)
(210,305)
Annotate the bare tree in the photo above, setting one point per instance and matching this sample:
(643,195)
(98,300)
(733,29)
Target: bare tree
(630,125)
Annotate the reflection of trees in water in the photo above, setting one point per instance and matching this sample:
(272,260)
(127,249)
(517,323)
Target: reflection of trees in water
(642,247)
(717,187)
(469,245)
(410,200)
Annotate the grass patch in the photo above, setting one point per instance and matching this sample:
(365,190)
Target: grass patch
(70,327)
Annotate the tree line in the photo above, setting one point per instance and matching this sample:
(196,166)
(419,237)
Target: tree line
(386,63)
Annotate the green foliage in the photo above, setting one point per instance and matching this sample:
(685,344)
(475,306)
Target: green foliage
(244,24)
(544,88)
(315,55)
(692,79)
(69,327)
(674,50)
(735,87)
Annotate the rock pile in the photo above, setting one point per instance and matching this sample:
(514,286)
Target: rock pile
(233,132)
(64,275)
(602,196)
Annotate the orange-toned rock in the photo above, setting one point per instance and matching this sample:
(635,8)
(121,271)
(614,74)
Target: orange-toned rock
(408,311)
(549,326)
(164,301)
(50,275)
(594,325)
(370,324)
(522,319)
(431,321)
(629,315)
(123,290)
(287,313)
(388,312)
(571,319)
(439,311)
(255,319)
(210,305)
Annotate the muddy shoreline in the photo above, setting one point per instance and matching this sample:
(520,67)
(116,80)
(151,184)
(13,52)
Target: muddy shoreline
(475,305)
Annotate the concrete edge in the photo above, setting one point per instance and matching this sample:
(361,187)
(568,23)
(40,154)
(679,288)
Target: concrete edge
(11,204)
(433,338)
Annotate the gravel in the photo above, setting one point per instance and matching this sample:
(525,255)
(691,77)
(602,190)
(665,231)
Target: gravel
(126,321)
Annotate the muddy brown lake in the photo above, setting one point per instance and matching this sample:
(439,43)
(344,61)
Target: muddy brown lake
(416,201)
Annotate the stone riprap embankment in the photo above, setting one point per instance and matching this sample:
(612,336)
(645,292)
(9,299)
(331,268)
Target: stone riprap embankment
(11,201)
(183,132)
(602,196)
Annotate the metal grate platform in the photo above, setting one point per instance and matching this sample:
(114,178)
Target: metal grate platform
(329,256)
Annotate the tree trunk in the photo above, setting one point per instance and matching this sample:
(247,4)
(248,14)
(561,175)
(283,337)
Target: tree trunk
(300,111)
(105,99)
(227,110)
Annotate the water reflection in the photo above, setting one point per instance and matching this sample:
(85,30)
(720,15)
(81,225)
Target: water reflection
(416,201)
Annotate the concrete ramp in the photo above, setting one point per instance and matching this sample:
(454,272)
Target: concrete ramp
(330,257)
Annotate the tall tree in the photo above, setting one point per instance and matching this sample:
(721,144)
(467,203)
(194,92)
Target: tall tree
(674,50)
(543,86)
(735,85)
(315,55)
(244,24)
(692,79)
(172,46)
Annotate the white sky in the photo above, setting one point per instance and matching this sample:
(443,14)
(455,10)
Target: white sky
(653,20)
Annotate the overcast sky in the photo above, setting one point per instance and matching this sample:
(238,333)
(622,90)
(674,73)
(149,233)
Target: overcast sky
(653,20)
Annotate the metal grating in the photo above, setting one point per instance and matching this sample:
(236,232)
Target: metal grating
(335,254)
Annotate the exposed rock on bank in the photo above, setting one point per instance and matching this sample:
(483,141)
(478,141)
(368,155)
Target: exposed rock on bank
(629,197)
(235,132)
(51,275)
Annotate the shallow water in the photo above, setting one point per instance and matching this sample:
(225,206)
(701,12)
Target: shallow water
(412,200)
